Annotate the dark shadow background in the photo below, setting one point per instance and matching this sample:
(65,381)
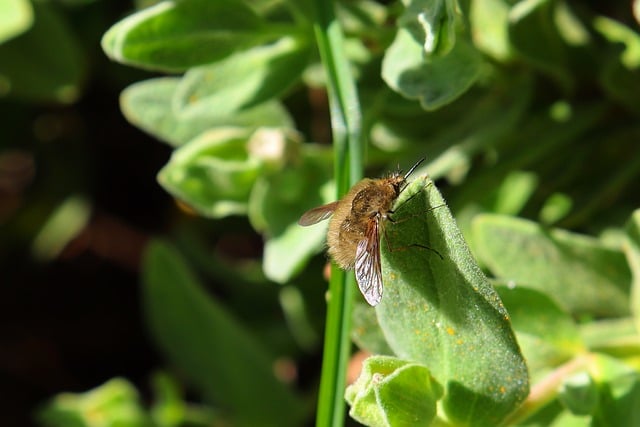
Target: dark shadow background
(75,322)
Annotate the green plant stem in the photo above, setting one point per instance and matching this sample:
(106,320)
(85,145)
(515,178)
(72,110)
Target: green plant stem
(348,153)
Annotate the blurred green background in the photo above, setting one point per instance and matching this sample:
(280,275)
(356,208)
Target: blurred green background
(70,305)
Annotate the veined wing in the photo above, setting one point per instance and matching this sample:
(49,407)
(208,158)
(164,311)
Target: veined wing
(317,214)
(367,265)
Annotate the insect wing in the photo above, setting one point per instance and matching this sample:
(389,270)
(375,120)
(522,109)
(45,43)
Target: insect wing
(320,213)
(367,265)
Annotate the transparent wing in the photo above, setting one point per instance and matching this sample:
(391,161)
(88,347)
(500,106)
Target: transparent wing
(320,213)
(367,265)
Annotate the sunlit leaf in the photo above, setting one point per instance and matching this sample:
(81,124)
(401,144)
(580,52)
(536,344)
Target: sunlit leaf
(443,313)
(177,35)
(435,81)
(16,16)
(149,105)
(241,81)
(489,23)
(115,403)
(274,209)
(391,392)
(432,23)
(213,173)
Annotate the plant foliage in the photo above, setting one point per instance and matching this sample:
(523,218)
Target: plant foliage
(528,115)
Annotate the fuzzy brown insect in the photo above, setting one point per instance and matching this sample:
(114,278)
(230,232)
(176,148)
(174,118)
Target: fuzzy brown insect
(353,238)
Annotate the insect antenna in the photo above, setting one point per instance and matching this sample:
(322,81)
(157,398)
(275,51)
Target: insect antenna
(406,175)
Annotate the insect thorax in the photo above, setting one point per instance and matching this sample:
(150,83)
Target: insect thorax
(374,199)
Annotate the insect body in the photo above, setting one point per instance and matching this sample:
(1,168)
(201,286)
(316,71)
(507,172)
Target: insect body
(354,230)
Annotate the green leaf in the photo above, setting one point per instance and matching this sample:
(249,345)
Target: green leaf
(579,394)
(63,225)
(616,32)
(366,332)
(242,80)
(436,81)
(277,202)
(114,403)
(534,36)
(531,314)
(45,74)
(578,271)
(619,390)
(170,409)
(393,393)
(556,207)
(489,23)
(149,106)
(619,75)
(218,355)
(16,16)
(432,23)
(177,35)
(632,252)
(514,192)
(443,313)
(615,337)
(213,173)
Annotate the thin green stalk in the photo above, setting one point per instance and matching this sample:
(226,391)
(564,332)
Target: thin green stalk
(348,153)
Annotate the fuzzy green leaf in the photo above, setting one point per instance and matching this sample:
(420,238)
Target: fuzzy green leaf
(177,35)
(213,173)
(276,204)
(217,353)
(443,313)
(436,81)
(393,393)
(149,106)
(242,80)
(579,272)
(432,23)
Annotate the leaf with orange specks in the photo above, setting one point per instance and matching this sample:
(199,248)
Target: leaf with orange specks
(439,310)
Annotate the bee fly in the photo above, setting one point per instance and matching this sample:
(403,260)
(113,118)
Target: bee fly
(353,238)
